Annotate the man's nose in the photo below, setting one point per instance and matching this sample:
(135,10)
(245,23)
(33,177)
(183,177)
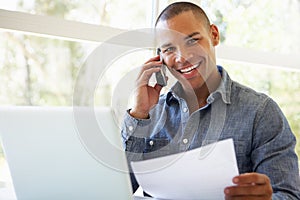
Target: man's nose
(182,55)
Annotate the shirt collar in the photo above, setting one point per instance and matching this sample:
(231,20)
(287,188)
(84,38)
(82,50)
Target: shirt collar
(223,90)
(172,95)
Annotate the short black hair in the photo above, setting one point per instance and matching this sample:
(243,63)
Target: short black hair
(177,8)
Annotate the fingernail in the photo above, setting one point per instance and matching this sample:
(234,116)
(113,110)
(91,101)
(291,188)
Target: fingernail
(226,191)
(235,180)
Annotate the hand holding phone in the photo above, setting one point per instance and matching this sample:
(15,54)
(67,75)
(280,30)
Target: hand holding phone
(161,75)
(146,95)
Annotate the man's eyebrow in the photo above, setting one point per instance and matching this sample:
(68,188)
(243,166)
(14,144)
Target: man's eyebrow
(185,38)
(166,45)
(191,35)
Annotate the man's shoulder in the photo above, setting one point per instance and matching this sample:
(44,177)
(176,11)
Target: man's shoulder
(242,92)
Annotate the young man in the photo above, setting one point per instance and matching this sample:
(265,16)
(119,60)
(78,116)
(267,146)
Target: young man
(205,101)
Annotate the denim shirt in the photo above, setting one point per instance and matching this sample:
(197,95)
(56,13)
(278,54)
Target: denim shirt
(263,140)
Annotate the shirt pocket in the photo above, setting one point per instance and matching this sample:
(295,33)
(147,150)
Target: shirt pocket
(156,147)
(146,148)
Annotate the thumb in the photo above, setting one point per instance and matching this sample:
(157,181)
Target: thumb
(158,87)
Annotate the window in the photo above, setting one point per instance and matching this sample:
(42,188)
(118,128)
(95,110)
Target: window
(40,60)
(98,12)
(39,71)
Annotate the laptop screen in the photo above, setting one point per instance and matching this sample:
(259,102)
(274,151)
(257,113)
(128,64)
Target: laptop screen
(50,156)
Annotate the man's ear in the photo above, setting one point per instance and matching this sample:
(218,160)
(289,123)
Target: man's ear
(214,34)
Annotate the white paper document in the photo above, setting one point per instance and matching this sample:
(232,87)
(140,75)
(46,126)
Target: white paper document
(201,173)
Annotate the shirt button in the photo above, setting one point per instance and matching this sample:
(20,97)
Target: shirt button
(185,141)
(151,142)
(130,128)
(185,109)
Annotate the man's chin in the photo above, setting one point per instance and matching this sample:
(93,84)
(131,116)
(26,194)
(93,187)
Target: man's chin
(193,83)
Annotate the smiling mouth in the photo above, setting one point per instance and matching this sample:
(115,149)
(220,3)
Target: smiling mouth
(189,69)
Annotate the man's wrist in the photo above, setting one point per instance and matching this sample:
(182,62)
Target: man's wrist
(138,114)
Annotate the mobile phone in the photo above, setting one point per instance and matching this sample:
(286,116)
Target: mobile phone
(161,75)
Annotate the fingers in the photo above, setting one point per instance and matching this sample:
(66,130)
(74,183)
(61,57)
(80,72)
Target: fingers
(156,58)
(249,178)
(145,75)
(158,87)
(151,63)
(150,67)
(248,198)
(250,186)
(254,190)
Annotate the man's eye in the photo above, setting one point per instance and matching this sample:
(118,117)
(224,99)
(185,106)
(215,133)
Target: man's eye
(192,41)
(169,50)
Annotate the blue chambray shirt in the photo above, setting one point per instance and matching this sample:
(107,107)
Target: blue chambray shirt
(263,140)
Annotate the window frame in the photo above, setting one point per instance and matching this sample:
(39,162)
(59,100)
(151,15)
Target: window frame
(52,27)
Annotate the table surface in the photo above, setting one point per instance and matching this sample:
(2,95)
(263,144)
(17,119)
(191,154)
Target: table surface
(7,192)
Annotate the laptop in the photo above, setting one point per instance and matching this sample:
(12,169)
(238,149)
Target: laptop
(64,153)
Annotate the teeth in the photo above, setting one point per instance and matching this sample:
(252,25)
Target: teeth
(188,69)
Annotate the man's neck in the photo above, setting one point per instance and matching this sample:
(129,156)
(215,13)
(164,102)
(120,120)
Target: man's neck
(197,97)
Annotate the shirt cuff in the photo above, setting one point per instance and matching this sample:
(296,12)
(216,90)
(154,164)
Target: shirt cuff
(131,124)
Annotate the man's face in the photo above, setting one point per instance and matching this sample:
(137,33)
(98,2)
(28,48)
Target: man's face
(188,48)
